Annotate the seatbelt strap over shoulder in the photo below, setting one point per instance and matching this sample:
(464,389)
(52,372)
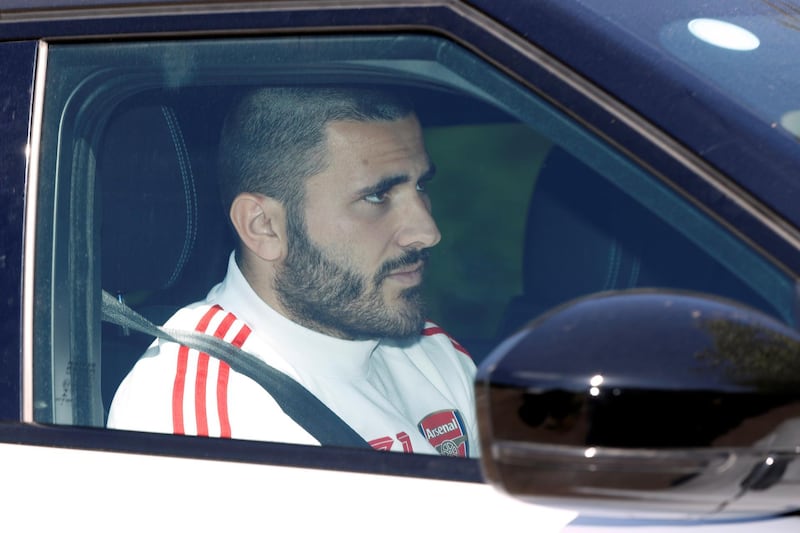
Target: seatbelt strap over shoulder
(294,399)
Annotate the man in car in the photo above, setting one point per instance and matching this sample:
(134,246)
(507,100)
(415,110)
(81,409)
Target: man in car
(326,193)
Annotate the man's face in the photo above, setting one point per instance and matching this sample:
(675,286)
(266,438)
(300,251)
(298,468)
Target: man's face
(355,267)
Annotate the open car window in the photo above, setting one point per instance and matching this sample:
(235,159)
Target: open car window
(534,209)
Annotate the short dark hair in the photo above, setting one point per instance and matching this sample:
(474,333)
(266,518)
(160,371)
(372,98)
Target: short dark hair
(274,137)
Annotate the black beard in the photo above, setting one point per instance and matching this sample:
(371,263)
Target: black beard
(326,296)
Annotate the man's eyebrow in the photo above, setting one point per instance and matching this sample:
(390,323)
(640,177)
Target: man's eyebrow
(429,174)
(382,186)
(388,182)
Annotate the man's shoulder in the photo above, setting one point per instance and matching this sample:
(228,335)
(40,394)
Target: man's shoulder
(200,316)
(211,318)
(434,333)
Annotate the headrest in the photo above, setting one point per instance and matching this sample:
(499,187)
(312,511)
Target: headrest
(586,235)
(582,234)
(149,200)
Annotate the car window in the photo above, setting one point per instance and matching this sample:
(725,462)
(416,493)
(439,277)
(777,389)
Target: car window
(533,209)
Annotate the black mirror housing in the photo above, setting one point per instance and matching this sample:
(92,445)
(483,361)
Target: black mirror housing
(646,403)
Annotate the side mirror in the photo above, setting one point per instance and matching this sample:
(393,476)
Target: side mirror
(646,403)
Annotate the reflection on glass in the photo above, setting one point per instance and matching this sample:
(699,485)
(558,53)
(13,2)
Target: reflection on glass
(724,34)
(754,355)
(791,122)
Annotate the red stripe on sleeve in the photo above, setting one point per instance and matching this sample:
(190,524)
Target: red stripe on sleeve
(241,336)
(202,325)
(179,385)
(177,391)
(224,326)
(222,379)
(436,330)
(222,385)
(222,400)
(433,330)
(200,395)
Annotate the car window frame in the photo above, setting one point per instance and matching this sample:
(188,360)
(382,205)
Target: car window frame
(90,80)
(545,76)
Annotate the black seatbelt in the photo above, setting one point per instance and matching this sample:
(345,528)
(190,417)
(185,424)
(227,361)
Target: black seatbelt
(294,399)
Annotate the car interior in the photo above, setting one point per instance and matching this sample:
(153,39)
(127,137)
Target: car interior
(155,171)
(568,219)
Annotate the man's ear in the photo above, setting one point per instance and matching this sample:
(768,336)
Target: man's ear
(260,222)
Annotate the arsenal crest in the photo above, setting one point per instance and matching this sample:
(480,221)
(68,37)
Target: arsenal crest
(446,432)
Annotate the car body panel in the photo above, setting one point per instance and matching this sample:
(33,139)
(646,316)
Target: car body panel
(17,62)
(130,492)
(99,488)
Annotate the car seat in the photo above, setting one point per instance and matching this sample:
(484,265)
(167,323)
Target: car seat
(585,235)
(164,238)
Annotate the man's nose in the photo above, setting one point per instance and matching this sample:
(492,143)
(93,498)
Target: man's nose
(419,229)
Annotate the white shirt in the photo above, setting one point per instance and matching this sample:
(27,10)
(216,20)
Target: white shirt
(413,396)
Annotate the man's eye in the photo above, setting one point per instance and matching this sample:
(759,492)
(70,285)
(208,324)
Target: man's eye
(376,197)
(422,184)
